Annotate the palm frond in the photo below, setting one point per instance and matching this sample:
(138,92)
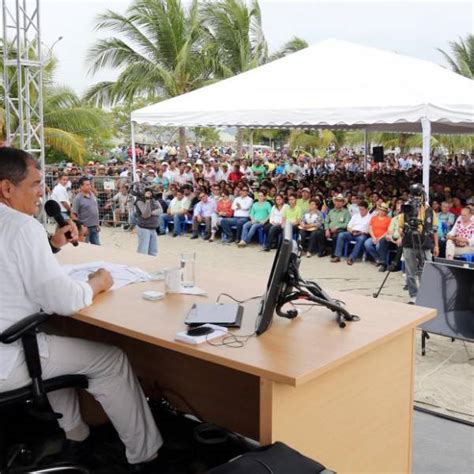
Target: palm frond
(67,143)
(77,120)
(291,46)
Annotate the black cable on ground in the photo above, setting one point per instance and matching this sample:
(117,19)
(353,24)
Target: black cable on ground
(443,416)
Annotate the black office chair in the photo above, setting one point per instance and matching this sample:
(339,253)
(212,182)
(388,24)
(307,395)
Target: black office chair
(34,396)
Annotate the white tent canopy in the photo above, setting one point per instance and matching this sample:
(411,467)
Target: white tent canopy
(333,84)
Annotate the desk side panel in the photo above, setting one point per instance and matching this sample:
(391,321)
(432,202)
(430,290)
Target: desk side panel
(355,418)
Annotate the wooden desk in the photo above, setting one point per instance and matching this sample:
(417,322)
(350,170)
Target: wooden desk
(342,396)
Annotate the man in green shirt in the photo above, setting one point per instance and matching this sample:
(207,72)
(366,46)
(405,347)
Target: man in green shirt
(303,203)
(336,220)
(259,170)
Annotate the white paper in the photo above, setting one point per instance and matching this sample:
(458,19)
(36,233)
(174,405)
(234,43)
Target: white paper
(122,274)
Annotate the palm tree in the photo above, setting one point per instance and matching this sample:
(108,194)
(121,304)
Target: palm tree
(67,121)
(235,40)
(158,47)
(461,59)
(291,46)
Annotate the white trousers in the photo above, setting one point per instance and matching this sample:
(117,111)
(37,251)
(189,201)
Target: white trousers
(452,250)
(111,382)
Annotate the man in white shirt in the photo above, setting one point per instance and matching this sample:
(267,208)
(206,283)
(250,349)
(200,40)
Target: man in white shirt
(357,231)
(241,207)
(32,280)
(61,196)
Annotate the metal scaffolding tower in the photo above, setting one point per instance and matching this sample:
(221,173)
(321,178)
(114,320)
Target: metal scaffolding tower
(23,76)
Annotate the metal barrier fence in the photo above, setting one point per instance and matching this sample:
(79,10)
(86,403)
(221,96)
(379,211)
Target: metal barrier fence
(115,203)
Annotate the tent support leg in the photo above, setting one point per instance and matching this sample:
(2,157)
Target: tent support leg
(366,148)
(134,155)
(426,130)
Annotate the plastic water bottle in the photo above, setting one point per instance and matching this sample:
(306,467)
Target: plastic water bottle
(188,261)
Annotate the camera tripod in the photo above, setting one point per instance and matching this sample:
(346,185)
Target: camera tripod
(411,239)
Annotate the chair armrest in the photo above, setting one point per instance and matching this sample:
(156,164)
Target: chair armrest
(20,328)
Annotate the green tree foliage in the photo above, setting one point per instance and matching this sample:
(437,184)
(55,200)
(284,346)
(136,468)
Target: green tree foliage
(461,59)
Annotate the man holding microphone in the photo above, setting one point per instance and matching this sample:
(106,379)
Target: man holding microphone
(32,280)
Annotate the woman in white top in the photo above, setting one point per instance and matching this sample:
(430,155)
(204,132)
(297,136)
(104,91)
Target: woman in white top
(273,228)
(311,229)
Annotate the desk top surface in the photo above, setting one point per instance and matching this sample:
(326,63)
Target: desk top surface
(290,352)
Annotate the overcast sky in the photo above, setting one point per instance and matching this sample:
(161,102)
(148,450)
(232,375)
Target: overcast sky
(408,27)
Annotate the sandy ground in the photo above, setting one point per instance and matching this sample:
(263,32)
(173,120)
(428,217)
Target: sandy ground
(444,377)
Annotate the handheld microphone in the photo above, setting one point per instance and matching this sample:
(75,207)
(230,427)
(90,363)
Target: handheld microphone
(53,210)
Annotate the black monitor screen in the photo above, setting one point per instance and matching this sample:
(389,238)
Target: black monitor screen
(275,282)
(449,289)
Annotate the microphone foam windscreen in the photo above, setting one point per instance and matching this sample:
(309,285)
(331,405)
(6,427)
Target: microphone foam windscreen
(52,208)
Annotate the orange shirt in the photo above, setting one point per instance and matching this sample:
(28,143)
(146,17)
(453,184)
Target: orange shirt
(380,225)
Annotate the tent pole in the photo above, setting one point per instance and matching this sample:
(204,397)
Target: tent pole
(251,145)
(426,130)
(366,151)
(134,155)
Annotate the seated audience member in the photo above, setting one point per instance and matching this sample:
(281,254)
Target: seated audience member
(336,221)
(292,213)
(446,221)
(303,202)
(461,237)
(357,230)
(176,213)
(274,225)
(259,215)
(456,207)
(236,175)
(353,207)
(312,230)
(241,207)
(377,245)
(202,214)
(224,209)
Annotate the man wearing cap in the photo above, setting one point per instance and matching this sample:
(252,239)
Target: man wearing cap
(336,221)
(303,202)
(377,245)
(357,231)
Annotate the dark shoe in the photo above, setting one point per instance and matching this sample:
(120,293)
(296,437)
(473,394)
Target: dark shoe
(378,264)
(266,249)
(350,261)
(383,268)
(161,233)
(152,467)
(231,241)
(175,234)
(335,259)
(207,236)
(194,236)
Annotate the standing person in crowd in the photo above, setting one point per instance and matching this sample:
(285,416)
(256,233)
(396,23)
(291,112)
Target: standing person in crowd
(236,175)
(241,207)
(223,210)
(176,213)
(121,205)
(461,237)
(148,211)
(358,231)
(427,239)
(311,227)
(259,215)
(85,208)
(33,281)
(61,196)
(259,170)
(202,214)
(292,213)
(336,221)
(377,245)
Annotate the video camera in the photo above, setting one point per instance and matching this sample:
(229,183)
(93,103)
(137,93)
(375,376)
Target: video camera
(138,189)
(412,207)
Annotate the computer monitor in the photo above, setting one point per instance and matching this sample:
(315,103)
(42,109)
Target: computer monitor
(276,280)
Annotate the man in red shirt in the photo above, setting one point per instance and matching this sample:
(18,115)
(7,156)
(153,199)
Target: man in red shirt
(236,175)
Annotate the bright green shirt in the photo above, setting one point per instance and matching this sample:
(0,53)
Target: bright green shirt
(260,169)
(303,205)
(260,212)
(293,214)
(337,219)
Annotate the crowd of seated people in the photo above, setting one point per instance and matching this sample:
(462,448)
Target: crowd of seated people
(333,204)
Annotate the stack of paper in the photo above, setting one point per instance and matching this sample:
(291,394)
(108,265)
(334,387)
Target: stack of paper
(122,274)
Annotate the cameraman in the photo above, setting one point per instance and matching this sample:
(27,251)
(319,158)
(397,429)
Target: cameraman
(418,228)
(148,212)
